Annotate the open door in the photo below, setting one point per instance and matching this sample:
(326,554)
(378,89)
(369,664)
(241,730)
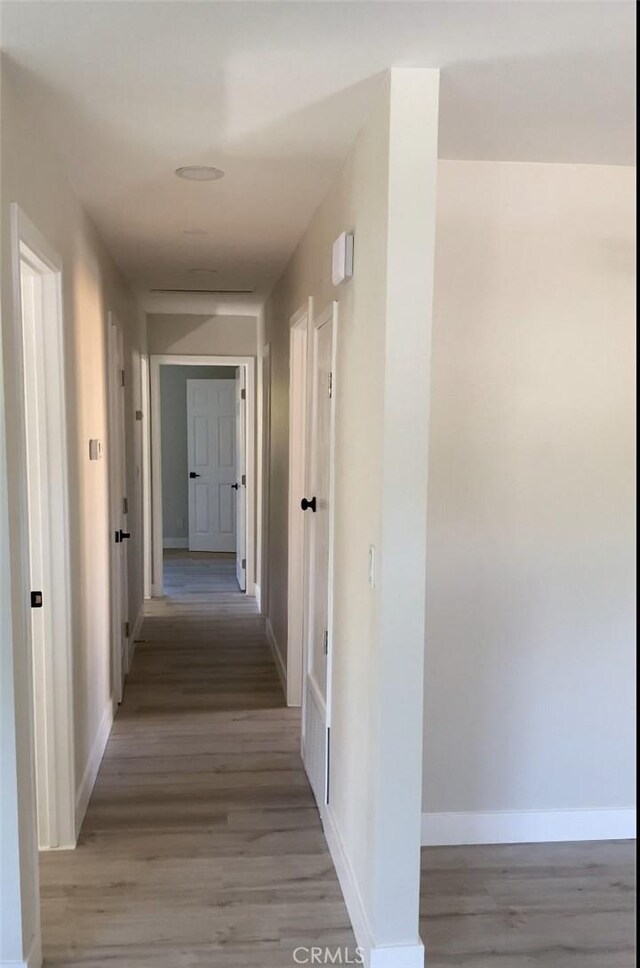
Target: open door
(317,507)
(241,478)
(116,456)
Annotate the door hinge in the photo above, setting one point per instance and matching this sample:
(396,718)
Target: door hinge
(36,599)
(127,630)
(326,642)
(125,505)
(330,385)
(122,378)
(244,562)
(243,479)
(243,394)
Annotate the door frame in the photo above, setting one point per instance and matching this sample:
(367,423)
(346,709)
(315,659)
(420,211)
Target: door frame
(146,476)
(155,362)
(118,478)
(298,399)
(52,670)
(328,315)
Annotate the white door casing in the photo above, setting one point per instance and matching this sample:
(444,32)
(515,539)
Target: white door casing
(316,700)
(44,523)
(156,361)
(211,450)
(241,478)
(119,536)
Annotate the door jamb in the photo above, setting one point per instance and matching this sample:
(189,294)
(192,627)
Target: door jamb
(156,361)
(55,675)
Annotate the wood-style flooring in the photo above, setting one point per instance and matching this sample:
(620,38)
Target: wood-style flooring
(201,844)
(529,906)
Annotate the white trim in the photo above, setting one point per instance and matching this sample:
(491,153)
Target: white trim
(146,475)
(298,400)
(397,956)
(156,361)
(277,655)
(52,668)
(526,827)
(33,959)
(175,543)
(93,764)
(258,597)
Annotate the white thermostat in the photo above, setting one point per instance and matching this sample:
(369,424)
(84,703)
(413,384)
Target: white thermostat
(342,264)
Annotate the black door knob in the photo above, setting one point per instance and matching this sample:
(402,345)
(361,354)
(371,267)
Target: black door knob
(124,534)
(308,505)
(193,474)
(235,486)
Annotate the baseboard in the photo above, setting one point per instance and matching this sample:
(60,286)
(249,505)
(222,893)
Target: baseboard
(277,656)
(32,960)
(175,543)
(93,765)
(526,827)
(374,956)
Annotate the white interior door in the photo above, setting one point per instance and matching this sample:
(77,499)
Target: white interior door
(116,455)
(317,509)
(241,478)
(211,449)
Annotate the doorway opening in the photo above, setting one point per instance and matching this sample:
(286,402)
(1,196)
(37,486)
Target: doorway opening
(202,468)
(37,271)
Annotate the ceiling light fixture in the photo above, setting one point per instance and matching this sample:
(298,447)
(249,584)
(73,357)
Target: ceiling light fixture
(195,232)
(208,271)
(199,173)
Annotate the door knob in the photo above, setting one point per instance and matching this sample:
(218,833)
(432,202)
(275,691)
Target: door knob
(306,505)
(235,486)
(193,474)
(124,534)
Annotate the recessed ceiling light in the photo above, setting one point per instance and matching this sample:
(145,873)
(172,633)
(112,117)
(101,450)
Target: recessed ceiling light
(210,271)
(199,173)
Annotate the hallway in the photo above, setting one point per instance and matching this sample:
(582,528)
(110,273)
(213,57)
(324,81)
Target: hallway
(201,845)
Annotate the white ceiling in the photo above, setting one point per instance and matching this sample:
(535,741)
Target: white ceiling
(274,93)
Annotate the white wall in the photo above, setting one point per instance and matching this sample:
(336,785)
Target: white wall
(530,636)
(91,287)
(201,335)
(175,470)
(386,195)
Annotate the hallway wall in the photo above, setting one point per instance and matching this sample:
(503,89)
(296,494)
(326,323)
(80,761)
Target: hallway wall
(381,388)
(92,285)
(530,627)
(201,335)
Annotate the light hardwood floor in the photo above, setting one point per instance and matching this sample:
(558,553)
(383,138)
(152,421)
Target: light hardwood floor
(201,845)
(529,906)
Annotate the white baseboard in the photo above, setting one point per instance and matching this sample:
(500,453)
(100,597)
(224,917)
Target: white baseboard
(33,958)
(175,543)
(526,827)
(93,765)
(374,956)
(277,656)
